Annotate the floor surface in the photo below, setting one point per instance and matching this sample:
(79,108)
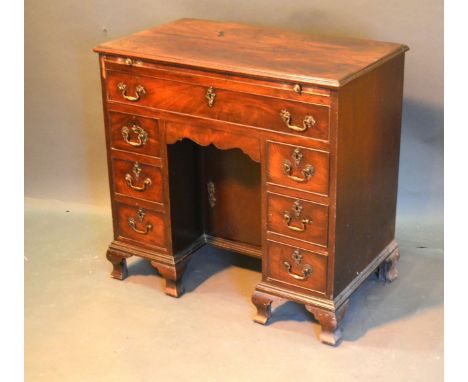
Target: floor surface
(81,325)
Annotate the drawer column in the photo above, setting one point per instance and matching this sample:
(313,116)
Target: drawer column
(297,204)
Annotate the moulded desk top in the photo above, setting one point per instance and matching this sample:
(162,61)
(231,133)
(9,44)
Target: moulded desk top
(254,51)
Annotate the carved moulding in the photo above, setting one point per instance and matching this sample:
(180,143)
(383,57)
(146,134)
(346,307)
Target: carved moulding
(220,139)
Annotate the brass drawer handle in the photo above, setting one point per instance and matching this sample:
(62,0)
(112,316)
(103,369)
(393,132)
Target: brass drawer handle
(210,96)
(140,216)
(132,224)
(139,91)
(142,135)
(307,123)
(287,218)
(129,179)
(306,271)
(307,172)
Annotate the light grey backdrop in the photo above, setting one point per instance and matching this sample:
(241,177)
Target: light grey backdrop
(64,136)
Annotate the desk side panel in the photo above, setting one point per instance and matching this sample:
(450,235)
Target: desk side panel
(368,151)
(108,135)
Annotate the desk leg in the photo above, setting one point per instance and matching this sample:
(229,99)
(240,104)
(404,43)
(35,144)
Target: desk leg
(119,264)
(262,301)
(330,322)
(173,276)
(387,271)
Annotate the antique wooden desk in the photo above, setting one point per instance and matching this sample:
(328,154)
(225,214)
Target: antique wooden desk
(272,144)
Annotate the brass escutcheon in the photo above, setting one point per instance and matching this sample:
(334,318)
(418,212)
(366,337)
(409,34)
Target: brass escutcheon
(287,218)
(307,171)
(142,135)
(306,270)
(129,179)
(297,257)
(211,194)
(210,96)
(140,216)
(297,156)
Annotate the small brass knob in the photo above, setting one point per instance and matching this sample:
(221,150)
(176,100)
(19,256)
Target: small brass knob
(297,88)
(128,61)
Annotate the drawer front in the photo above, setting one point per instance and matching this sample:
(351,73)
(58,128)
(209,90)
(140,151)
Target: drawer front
(137,179)
(296,266)
(286,90)
(308,120)
(141,225)
(136,134)
(297,218)
(298,167)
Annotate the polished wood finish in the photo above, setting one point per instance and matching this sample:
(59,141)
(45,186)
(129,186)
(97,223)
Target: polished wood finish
(172,275)
(148,229)
(329,321)
(220,138)
(236,107)
(236,181)
(276,145)
(262,302)
(137,179)
(149,129)
(299,159)
(119,264)
(235,82)
(368,151)
(315,231)
(299,260)
(260,52)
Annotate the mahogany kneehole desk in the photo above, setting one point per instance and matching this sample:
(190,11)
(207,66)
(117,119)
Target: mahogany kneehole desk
(276,145)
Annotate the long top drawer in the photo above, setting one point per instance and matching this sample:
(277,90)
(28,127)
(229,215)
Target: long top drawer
(204,100)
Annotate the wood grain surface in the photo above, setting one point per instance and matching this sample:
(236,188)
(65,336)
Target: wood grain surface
(254,51)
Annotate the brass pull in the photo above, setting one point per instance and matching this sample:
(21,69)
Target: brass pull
(210,96)
(129,179)
(140,216)
(307,172)
(287,219)
(306,271)
(142,135)
(297,209)
(307,123)
(132,224)
(139,91)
